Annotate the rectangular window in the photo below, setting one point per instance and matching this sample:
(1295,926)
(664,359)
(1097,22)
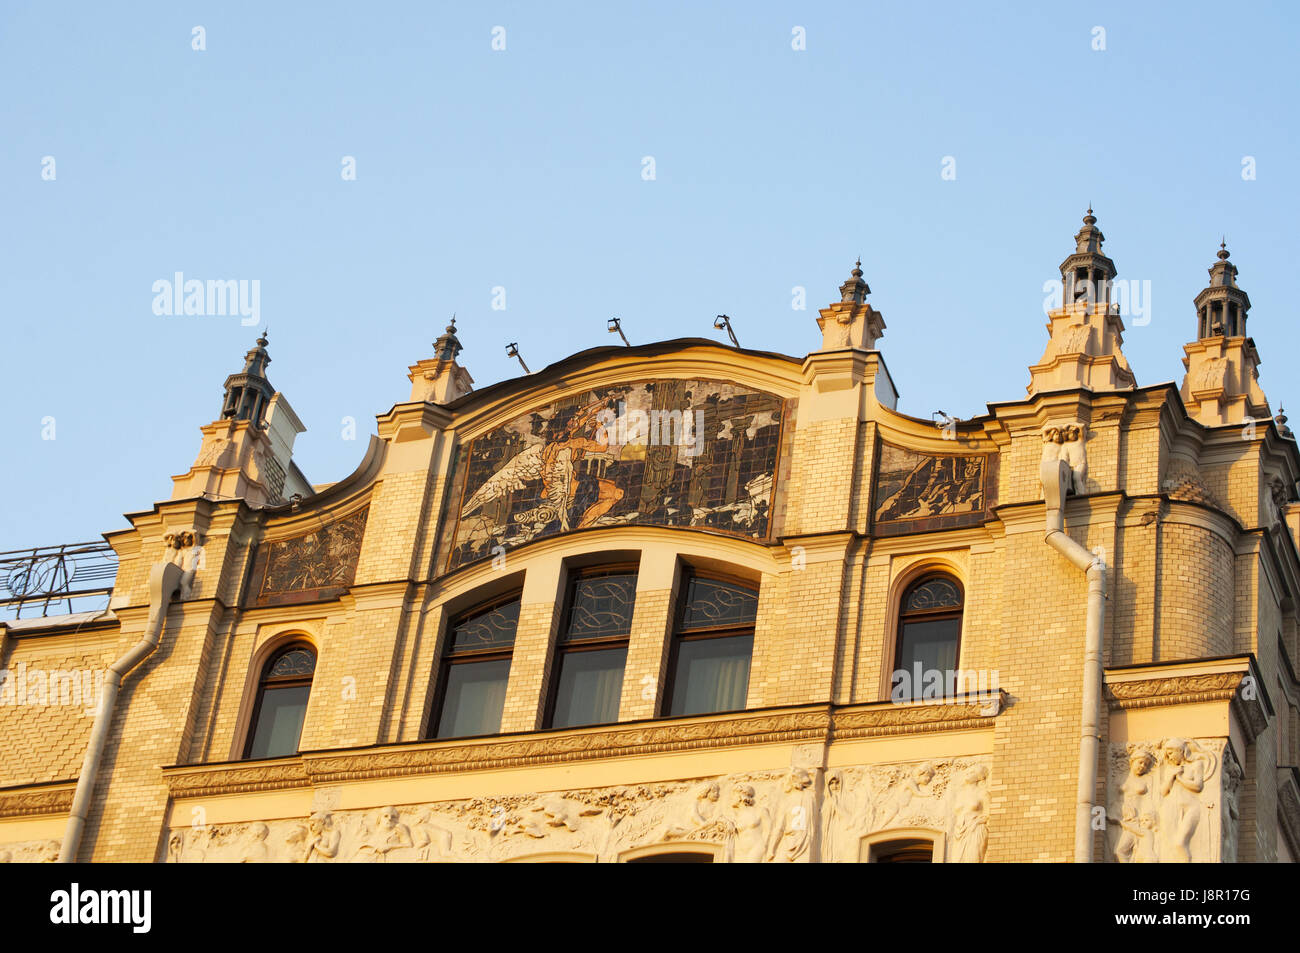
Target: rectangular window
(712,648)
(279,721)
(588,679)
(476,669)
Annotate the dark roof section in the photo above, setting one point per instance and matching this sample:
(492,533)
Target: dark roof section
(594,354)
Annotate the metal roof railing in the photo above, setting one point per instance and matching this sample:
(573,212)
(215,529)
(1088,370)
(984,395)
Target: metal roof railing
(73,577)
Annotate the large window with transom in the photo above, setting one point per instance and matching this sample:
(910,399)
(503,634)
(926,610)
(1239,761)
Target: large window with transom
(929,636)
(592,649)
(712,647)
(281,704)
(475,670)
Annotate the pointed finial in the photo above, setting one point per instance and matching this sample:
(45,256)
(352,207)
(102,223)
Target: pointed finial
(261,341)
(1090,219)
(857,268)
(1223,252)
(451,328)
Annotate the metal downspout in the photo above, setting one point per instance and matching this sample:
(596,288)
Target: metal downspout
(1056,478)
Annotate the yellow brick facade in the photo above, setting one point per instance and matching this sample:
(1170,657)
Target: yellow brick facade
(1199,648)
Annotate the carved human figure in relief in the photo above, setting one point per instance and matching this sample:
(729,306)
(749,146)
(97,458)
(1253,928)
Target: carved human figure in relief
(684,817)
(1052,441)
(970,833)
(1075,454)
(837,810)
(431,841)
(905,790)
(212,452)
(1232,778)
(253,848)
(747,827)
(390,835)
(1210,375)
(1074,340)
(322,839)
(1136,843)
(792,828)
(1182,780)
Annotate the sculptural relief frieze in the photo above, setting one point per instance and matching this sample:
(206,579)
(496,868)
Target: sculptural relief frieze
(30,852)
(792,816)
(1173,800)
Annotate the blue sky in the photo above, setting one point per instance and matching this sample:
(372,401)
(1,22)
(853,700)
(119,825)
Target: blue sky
(522,168)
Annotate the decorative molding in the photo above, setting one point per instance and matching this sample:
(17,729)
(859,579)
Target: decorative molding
(584,746)
(1174,690)
(1161,690)
(207,780)
(36,801)
(817,725)
(917,719)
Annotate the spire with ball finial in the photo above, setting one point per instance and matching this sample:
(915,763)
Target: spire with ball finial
(248,393)
(851,322)
(855,290)
(447,347)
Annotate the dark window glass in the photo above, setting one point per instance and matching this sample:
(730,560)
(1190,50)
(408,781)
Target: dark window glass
(713,648)
(281,703)
(474,697)
(675,857)
(912,851)
(588,678)
(929,636)
(476,670)
(589,687)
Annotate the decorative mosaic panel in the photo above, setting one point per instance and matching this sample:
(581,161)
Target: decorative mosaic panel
(919,492)
(662,453)
(316,565)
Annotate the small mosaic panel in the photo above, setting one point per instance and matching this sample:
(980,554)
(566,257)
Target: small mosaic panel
(315,565)
(691,453)
(919,492)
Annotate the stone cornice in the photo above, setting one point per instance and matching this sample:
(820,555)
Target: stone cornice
(1194,682)
(960,714)
(817,724)
(36,800)
(235,778)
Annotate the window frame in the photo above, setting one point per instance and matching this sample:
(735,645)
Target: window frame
(678,635)
(562,647)
(450,657)
(904,616)
(290,681)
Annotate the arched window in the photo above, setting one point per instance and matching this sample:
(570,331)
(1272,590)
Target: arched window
(929,634)
(589,663)
(281,704)
(475,670)
(712,648)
